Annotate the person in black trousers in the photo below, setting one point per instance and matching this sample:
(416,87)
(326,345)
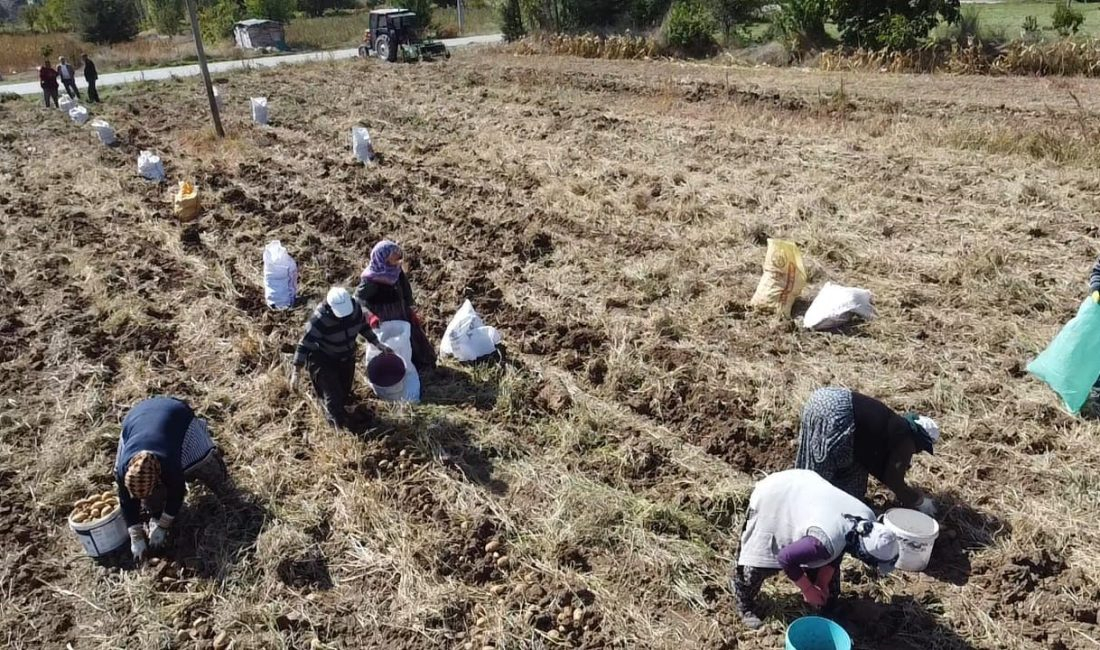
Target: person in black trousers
(90,76)
(328,350)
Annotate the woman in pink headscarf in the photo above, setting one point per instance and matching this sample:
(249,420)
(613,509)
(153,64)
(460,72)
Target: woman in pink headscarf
(384,291)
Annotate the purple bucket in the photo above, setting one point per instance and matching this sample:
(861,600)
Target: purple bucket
(386,374)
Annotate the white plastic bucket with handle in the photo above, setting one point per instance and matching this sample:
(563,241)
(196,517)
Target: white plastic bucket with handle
(916,532)
(103,535)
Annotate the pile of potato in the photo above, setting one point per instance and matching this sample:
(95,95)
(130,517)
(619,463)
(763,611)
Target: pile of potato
(94,507)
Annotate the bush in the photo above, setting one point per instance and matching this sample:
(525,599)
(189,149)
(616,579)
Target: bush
(689,28)
(731,14)
(424,9)
(106,21)
(216,21)
(1066,20)
(890,23)
(278,10)
(646,13)
(1030,26)
(50,17)
(323,7)
(165,16)
(511,21)
(801,23)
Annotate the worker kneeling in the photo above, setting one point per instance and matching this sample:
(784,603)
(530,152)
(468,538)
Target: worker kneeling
(163,445)
(802,525)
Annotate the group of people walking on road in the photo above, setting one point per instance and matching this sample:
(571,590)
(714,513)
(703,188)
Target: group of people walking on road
(51,78)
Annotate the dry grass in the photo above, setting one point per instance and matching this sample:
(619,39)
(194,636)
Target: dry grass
(610,218)
(589,46)
(1063,57)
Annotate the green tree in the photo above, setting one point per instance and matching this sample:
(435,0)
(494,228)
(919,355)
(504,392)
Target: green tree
(689,27)
(895,24)
(106,21)
(277,10)
(165,16)
(423,10)
(733,13)
(1065,20)
(511,21)
(48,17)
(216,20)
(319,7)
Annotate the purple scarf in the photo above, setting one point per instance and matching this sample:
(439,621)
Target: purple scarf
(380,270)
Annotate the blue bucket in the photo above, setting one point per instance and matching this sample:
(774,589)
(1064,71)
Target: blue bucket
(816,633)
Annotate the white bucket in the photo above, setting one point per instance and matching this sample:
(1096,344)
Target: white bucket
(916,532)
(394,393)
(103,535)
(398,336)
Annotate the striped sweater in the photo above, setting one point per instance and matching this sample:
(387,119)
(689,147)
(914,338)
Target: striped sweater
(332,337)
(1094,277)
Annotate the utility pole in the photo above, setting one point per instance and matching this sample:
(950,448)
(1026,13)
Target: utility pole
(461,18)
(202,66)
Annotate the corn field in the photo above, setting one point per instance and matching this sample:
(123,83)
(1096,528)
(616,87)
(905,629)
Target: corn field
(1066,57)
(591,46)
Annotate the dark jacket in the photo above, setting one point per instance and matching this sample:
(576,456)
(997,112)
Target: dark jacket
(884,445)
(47,77)
(331,337)
(66,68)
(376,296)
(90,73)
(157,425)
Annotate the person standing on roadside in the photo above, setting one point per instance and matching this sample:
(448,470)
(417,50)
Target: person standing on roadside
(68,77)
(91,75)
(47,78)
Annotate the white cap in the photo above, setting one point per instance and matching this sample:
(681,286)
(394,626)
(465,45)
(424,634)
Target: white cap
(339,300)
(930,427)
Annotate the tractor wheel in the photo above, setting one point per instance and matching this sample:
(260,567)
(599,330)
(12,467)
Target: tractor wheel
(385,49)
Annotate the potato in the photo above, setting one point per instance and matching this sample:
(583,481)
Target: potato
(107,495)
(79,518)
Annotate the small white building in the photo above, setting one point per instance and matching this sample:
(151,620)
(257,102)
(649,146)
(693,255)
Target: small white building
(256,33)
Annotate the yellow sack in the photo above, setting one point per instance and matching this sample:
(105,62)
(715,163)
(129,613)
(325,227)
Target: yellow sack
(783,279)
(187,202)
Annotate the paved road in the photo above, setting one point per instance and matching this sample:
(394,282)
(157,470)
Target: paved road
(154,74)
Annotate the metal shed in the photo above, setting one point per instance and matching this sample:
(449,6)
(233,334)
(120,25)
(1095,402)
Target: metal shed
(256,33)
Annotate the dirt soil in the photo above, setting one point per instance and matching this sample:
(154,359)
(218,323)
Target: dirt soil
(611,219)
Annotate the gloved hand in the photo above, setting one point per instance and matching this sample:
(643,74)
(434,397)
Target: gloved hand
(295,380)
(384,349)
(373,322)
(138,547)
(159,532)
(1096,296)
(813,596)
(927,506)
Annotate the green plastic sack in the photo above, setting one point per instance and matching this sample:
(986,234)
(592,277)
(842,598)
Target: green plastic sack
(1071,363)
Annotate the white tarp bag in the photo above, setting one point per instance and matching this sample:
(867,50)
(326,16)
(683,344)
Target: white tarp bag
(217,98)
(150,166)
(361,145)
(66,103)
(259,110)
(836,305)
(468,338)
(104,131)
(397,334)
(78,114)
(280,276)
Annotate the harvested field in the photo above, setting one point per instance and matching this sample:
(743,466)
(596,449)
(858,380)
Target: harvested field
(611,219)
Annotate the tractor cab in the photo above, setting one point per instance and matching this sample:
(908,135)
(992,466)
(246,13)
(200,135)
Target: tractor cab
(395,34)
